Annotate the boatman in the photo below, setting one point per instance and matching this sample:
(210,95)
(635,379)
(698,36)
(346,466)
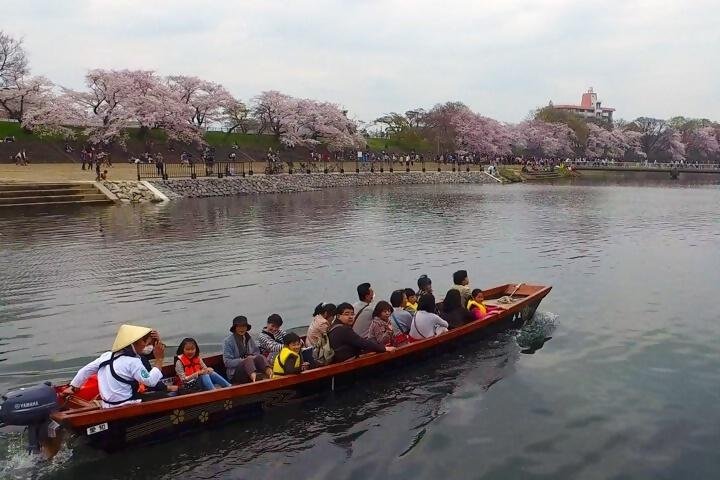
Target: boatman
(120,371)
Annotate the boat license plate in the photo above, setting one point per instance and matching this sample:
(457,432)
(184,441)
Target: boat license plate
(97,428)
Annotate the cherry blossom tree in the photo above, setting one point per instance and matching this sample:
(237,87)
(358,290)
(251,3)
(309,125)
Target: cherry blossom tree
(633,140)
(304,122)
(481,135)
(13,61)
(651,130)
(24,94)
(613,143)
(236,116)
(670,145)
(273,110)
(545,139)
(121,99)
(20,94)
(604,143)
(326,123)
(55,115)
(439,124)
(208,100)
(703,142)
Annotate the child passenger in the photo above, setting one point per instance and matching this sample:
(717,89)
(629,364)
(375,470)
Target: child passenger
(189,366)
(289,359)
(411,300)
(477,307)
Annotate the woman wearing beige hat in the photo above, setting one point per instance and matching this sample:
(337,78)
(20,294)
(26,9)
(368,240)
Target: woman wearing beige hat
(120,371)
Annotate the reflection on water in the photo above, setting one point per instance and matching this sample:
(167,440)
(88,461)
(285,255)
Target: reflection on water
(627,387)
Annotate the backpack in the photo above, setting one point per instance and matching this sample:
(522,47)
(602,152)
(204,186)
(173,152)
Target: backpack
(323,352)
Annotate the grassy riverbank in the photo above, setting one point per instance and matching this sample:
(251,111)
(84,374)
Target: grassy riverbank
(51,148)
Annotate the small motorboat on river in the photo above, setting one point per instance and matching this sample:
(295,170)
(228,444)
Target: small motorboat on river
(112,429)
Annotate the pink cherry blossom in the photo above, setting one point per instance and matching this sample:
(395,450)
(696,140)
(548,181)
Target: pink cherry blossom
(703,141)
(545,139)
(120,99)
(304,122)
(208,100)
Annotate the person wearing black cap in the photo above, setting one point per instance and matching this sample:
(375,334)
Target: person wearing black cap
(241,354)
(460,279)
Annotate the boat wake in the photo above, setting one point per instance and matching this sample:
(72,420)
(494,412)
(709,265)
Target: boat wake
(532,336)
(17,463)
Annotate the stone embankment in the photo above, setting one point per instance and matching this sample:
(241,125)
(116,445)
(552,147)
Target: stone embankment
(286,183)
(131,192)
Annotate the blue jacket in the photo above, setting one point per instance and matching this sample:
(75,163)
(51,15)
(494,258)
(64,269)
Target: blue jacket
(232,356)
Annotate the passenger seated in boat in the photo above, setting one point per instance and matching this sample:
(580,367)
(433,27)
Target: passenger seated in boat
(363,309)
(427,323)
(424,285)
(322,317)
(190,368)
(289,360)
(146,356)
(120,371)
(270,340)
(477,307)
(461,281)
(380,329)
(453,311)
(401,319)
(344,341)
(241,355)
(411,305)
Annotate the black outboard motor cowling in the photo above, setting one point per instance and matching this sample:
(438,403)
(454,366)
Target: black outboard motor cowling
(30,407)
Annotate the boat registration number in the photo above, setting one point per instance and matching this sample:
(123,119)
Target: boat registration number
(97,428)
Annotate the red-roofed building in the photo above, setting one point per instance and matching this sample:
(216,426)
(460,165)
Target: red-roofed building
(589,107)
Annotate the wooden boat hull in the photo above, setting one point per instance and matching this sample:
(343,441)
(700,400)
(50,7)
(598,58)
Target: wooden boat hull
(114,429)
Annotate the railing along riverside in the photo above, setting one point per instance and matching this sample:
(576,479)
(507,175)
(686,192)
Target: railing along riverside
(221,169)
(644,165)
(166,171)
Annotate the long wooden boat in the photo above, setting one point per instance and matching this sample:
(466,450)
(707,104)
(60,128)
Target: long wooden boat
(116,428)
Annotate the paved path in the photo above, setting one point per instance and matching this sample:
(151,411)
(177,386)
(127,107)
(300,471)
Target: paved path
(67,172)
(622,168)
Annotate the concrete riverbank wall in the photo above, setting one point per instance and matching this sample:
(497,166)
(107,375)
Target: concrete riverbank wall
(286,183)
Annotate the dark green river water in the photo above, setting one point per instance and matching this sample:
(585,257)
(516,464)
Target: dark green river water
(628,387)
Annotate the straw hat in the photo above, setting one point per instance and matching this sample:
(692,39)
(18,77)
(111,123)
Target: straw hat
(127,335)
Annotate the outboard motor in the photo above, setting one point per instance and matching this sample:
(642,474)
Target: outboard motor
(30,407)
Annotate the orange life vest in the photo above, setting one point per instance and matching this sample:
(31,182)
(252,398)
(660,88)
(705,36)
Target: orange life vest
(191,365)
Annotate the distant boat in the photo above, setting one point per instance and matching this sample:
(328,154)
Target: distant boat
(115,428)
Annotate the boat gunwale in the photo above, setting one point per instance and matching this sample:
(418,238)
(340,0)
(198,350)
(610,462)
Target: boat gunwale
(87,417)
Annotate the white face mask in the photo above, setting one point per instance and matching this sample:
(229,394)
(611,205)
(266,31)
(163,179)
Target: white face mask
(147,350)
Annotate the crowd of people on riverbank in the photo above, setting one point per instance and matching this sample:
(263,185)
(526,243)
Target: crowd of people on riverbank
(336,334)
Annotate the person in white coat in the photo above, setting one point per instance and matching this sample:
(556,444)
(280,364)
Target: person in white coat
(427,323)
(120,371)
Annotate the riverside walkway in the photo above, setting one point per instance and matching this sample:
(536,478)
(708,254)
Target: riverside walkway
(709,168)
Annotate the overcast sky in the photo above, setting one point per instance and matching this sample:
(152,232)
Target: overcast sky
(502,58)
